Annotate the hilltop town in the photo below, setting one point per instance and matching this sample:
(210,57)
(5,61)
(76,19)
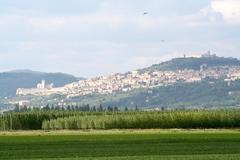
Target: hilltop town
(136,79)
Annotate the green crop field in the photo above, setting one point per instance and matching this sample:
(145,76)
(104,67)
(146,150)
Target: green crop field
(123,144)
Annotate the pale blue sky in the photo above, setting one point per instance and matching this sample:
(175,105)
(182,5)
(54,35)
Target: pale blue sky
(95,37)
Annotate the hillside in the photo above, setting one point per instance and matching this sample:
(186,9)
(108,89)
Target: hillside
(175,83)
(10,81)
(193,63)
(202,94)
(205,94)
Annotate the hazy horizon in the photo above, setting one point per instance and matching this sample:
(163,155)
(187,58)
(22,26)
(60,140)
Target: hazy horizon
(93,38)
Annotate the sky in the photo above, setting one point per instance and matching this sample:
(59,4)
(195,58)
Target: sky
(89,38)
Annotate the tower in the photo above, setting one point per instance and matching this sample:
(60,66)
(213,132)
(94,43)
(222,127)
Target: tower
(43,84)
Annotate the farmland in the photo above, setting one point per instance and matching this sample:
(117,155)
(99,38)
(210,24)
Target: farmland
(137,135)
(121,144)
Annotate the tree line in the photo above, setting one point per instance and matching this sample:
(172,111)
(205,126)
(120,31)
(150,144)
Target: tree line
(57,120)
(81,108)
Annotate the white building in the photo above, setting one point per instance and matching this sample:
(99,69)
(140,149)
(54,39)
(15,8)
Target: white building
(41,85)
(209,55)
(24,103)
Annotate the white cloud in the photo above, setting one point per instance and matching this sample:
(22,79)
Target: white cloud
(85,22)
(106,19)
(47,23)
(116,36)
(111,18)
(230,9)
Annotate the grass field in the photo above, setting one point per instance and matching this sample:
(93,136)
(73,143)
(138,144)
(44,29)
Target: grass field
(122,144)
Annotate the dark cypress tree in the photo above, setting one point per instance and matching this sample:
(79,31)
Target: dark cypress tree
(76,107)
(73,108)
(109,108)
(116,109)
(47,108)
(100,108)
(87,107)
(94,109)
(68,108)
(52,107)
(136,108)
(17,108)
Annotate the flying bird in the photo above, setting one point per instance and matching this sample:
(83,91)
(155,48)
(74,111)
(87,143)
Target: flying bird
(145,13)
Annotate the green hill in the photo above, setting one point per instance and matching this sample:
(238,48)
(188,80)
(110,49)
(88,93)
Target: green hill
(193,63)
(201,94)
(10,81)
(207,93)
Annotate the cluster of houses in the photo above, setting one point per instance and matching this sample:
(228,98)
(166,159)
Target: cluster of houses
(133,80)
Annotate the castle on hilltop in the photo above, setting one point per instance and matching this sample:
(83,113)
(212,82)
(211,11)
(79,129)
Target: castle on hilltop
(41,87)
(208,55)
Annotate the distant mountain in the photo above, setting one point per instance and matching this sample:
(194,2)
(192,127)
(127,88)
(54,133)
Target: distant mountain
(193,63)
(25,71)
(10,81)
